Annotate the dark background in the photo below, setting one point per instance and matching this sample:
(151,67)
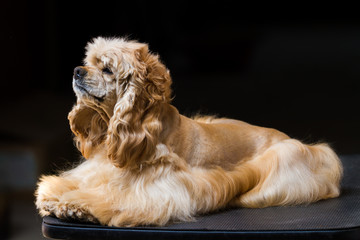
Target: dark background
(290,67)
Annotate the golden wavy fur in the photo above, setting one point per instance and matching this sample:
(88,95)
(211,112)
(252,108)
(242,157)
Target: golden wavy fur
(148,165)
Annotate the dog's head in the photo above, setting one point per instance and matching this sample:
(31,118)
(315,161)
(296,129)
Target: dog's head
(119,88)
(116,68)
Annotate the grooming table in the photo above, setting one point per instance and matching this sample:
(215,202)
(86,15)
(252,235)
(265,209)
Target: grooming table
(330,219)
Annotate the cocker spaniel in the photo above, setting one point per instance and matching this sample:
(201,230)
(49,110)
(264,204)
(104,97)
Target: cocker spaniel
(146,164)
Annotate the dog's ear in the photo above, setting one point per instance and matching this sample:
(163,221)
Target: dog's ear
(135,126)
(150,75)
(88,126)
(133,131)
(133,144)
(141,50)
(157,80)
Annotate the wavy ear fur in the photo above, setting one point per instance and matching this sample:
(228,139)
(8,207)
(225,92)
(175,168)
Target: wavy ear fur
(89,128)
(135,127)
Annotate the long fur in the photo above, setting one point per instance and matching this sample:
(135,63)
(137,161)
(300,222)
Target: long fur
(149,165)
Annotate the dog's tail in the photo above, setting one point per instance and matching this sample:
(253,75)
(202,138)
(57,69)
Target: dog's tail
(291,172)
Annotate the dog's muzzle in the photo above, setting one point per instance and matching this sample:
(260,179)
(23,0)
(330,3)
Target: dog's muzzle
(78,79)
(79,73)
(80,85)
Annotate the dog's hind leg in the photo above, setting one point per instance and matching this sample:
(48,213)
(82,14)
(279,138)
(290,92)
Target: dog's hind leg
(293,173)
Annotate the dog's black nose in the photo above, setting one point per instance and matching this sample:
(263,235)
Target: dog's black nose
(79,73)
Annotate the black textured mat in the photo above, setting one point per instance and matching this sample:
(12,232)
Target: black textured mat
(334,218)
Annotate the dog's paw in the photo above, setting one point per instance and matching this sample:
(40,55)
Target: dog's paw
(66,211)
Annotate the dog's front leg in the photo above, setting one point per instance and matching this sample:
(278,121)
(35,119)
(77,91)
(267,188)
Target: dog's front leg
(49,191)
(52,199)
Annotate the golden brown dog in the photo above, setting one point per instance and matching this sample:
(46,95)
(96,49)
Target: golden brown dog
(147,165)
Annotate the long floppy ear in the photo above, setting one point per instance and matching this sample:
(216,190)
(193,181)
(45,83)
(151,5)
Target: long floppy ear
(88,126)
(157,80)
(135,126)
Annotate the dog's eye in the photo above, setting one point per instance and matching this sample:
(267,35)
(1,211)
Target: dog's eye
(107,71)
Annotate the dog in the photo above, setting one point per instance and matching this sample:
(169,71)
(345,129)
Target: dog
(146,164)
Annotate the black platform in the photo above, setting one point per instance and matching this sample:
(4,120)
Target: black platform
(330,219)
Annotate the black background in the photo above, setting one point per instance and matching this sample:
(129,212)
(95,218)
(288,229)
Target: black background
(294,68)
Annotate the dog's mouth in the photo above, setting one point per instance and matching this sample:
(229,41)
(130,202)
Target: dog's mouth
(86,90)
